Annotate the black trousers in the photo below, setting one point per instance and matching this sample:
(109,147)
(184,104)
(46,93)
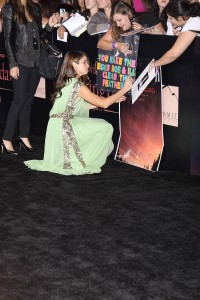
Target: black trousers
(24,89)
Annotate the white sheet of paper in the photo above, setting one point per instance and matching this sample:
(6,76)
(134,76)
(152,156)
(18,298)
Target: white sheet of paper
(64,39)
(76,24)
(142,82)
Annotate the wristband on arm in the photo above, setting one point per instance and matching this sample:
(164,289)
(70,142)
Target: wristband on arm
(113,44)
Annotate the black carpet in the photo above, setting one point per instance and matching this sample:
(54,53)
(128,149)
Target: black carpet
(124,234)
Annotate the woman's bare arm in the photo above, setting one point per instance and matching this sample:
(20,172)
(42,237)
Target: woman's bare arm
(160,28)
(95,100)
(182,43)
(105,41)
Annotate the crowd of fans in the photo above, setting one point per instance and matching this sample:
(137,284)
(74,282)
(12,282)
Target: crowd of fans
(143,14)
(110,18)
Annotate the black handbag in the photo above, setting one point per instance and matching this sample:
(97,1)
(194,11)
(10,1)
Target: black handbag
(51,59)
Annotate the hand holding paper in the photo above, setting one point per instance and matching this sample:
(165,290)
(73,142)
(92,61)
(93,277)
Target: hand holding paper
(143,80)
(152,65)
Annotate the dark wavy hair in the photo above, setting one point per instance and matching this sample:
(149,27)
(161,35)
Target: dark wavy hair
(19,9)
(48,7)
(76,5)
(160,14)
(67,72)
(122,8)
(182,8)
(155,8)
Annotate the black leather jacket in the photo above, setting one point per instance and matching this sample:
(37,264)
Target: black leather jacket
(15,33)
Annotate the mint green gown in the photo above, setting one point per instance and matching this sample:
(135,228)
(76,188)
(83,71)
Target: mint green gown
(75,144)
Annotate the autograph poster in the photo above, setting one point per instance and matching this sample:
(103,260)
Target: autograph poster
(141,128)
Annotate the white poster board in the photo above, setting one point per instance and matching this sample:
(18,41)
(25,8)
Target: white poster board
(142,82)
(170,103)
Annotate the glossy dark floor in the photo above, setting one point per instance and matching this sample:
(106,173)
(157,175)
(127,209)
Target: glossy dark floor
(124,234)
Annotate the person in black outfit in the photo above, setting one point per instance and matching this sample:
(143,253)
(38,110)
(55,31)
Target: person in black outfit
(22,27)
